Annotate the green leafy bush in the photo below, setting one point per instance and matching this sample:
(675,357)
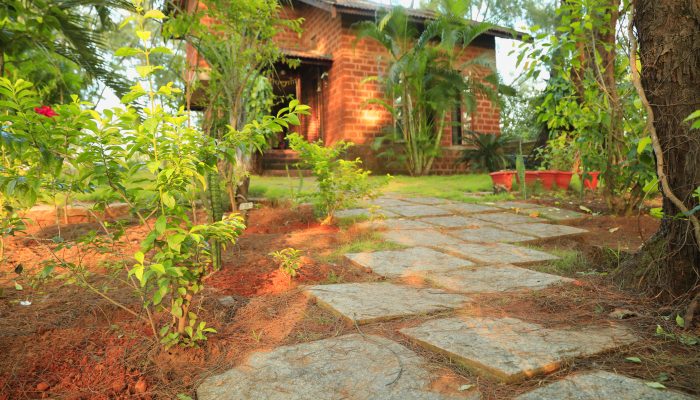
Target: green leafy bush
(486,152)
(341,183)
(289,260)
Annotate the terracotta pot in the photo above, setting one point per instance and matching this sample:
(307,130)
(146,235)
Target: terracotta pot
(591,180)
(547,178)
(531,177)
(503,178)
(563,179)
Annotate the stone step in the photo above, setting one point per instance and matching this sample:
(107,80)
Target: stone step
(492,279)
(596,385)
(512,350)
(352,367)
(368,302)
(415,261)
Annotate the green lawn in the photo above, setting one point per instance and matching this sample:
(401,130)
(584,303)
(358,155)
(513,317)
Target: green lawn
(453,187)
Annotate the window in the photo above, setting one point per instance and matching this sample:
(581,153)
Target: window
(461,125)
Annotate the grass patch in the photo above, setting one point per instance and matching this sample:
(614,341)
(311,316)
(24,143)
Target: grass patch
(452,187)
(369,241)
(571,263)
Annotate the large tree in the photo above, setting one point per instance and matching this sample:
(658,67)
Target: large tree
(669,51)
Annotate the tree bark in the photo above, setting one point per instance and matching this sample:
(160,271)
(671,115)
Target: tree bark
(669,51)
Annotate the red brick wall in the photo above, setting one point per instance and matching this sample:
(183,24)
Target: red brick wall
(347,115)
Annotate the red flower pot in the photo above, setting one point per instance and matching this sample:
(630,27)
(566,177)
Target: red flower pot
(547,178)
(531,177)
(563,179)
(503,178)
(591,180)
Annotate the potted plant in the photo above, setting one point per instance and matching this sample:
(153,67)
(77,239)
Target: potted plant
(531,177)
(559,157)
(590,179)
(503,179)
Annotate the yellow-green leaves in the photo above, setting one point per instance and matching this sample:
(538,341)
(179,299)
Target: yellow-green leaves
(154,14)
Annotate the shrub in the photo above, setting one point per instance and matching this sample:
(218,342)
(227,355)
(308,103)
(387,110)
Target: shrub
(289,260)
(341,183)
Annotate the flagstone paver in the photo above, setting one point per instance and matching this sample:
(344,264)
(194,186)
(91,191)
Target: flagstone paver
(407,262)
(597,385)
(417,210)
(493,278)
(545,231)
(504,218)
(456,221)
(515,205)
(490,234)
(556,214)
(353,367)
(363,212)
(483,253)
(370,301)
(426,237)
(428,200)
(396,224)
(500,253)
(469,208)
(388,202)
(512,350)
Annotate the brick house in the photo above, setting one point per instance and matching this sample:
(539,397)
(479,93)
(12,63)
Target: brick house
(329,80)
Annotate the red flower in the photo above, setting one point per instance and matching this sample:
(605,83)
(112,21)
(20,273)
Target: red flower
(46,111)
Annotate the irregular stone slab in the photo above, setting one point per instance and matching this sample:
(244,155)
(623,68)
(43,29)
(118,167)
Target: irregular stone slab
(428,200)
(418,210)
(508,218)
(515,205)
(426,237)
(367,302)
(349,367)
(395,224)
(598,385)
(456,221)
(389,202)
(500,253)
(544,231)
(468,208)
(407,262)
(490,234)
(364,213)
(512,350)
(493,278)
(483,253)
(557,214)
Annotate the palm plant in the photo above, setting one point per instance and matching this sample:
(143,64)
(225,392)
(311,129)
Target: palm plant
(425,79)
(64,37)
(486,152)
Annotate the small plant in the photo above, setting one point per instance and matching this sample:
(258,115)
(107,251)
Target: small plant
(289,260)
(341,183)
(486,152)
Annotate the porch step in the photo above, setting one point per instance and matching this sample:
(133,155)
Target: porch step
(280,160)
(293,172)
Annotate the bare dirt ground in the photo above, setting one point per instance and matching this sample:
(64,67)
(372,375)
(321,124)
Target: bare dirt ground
(72,344)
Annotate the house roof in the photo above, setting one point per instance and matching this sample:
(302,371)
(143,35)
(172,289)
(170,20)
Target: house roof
(312,56)
(369,8)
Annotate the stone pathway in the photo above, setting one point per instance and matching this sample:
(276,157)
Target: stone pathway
(455,249)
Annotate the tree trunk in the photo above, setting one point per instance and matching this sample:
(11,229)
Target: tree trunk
(669,50)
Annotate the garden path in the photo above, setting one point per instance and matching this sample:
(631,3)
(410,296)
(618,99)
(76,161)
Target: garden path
(453,250)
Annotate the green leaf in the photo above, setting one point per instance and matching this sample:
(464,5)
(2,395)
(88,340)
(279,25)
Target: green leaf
(680,321)
(154,14)
(175,241)
(145,70)
(137,271)
(158,268)
(655,385)
(139,256)
(127,52)
(634,360)
(143,35)
(643,143)
(161,224)
(18,286)
(168,200)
